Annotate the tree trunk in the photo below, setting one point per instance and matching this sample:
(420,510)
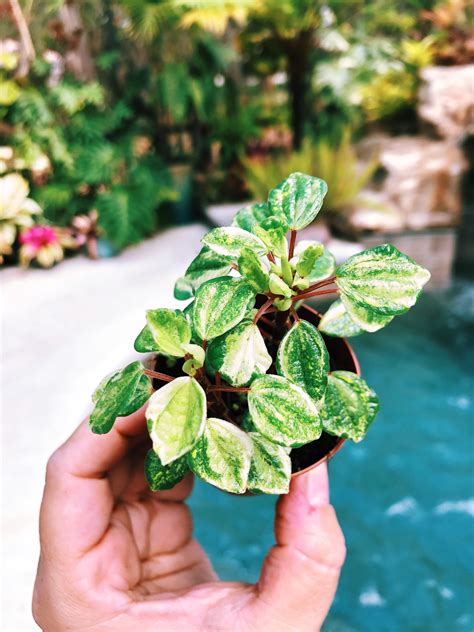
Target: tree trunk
(27,50)
(78,58)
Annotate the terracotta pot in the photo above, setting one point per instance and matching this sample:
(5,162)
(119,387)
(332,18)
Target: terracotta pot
(342,358)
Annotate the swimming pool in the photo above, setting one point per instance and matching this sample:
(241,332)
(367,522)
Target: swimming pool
(404,496)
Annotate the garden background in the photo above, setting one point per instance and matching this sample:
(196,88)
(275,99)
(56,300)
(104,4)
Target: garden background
(129,127)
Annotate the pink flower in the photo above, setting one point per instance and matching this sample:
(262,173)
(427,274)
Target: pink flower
(38,237)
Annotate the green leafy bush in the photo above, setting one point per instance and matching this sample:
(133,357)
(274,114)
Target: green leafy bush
(247,378)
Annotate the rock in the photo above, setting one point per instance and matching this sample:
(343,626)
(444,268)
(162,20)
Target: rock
(421,186)
(446,100)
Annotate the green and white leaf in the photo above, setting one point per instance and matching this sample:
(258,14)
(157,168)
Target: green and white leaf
(170,330)
(337,322)
(278,286)
(176,415)
(239,354)
(382,280)
(196,351)
(253,271)
(302,357)
(222,456)
(119,394)
(144,342)
(221,304)
(272,231)
(350,406)
(230,240)
(161,476)
(324,266)
(366,319)
(283,412)
(251,215)
(207,265)
(308,257)
(299,198)
(270,467)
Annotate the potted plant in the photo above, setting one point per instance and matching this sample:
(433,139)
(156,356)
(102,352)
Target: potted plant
(248,384)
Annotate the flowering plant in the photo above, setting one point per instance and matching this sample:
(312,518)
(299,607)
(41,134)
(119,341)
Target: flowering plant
(248,379)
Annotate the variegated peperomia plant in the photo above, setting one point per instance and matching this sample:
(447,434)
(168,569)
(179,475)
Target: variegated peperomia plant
(246,379)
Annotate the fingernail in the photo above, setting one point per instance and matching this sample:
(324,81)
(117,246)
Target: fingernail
(317,485)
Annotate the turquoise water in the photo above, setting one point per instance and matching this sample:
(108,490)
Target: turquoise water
(404,496)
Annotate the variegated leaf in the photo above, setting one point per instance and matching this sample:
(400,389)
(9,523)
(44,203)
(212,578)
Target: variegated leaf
(350,406)
(144,342)
(239,354)
(270,467)
(308,257)
(170,330)
(251,215)
(303,358)
(382,280)
(253,271)
(207,265)
(366,319)
(221,304)
(119,394)
(337,322)
(323,267)
(283,412)
(272,232)
(299,198)
(176,415)
(222,456)
(161,476)
(230,240)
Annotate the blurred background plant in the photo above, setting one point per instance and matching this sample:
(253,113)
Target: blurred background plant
(140,113)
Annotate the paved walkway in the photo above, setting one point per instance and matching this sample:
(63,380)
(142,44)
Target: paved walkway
(63,330)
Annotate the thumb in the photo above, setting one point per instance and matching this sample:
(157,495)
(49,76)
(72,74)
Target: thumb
(301,572)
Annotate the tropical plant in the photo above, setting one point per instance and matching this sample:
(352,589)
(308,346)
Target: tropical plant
(338,165)
(247,378)
(17,211)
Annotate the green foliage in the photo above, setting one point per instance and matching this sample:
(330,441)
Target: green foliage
(254,379)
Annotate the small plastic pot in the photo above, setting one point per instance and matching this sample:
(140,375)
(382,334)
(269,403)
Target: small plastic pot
(342,358)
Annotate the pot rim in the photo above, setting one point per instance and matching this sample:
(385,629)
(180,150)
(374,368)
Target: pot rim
(341,441)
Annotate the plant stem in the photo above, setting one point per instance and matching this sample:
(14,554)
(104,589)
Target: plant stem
(158,376)
(294,314)
(300,297)
(271,257)
(262,310)
(228,389)
(320,284)
(291,249)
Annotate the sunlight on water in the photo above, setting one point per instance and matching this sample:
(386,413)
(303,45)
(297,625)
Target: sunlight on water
(404,497)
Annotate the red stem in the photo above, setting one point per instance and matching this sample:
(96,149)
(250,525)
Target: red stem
(301,297)
(262,310)
(294,314)
(271,257)
(320,284)
(228,389)
(291,249)
(158,376)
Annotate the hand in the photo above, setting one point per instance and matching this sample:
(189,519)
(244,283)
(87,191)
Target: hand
(116,556)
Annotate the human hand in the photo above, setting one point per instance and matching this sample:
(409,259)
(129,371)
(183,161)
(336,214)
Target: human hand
(116,556)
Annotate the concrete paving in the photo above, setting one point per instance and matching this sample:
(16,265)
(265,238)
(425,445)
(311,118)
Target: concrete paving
(62,331)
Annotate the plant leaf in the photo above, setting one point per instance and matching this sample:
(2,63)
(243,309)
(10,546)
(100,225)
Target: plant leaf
(303,358)
(283,412)
(239,354)
(382,280)
(207,265)
(270,467)
(308,257)
(170,330)
(365,318)
(299,198)
(144,342)
(253,270)
(221,304)
(337,322)
(230,241)
(350,406)
(272,231)
(118,395)
(278,286)
(324,266)
(161,476)
(176,415)
(222,456)
(251,215)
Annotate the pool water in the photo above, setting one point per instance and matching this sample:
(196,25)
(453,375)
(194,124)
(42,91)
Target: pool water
(404,496)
